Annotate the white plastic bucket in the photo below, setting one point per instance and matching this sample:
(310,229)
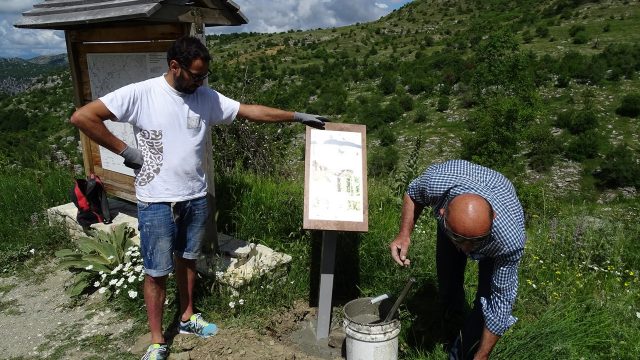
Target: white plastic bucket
(367,337)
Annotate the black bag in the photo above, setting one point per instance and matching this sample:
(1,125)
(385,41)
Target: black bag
(91,200)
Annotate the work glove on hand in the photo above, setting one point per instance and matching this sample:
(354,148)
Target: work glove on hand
(132,158)
(315,121)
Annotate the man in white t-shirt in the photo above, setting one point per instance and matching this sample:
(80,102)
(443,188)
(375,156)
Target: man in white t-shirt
(170,115)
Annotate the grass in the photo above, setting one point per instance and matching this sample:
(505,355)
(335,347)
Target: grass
(579,280)
(25,233)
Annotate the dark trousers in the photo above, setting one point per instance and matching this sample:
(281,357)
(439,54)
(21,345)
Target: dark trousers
(450,264)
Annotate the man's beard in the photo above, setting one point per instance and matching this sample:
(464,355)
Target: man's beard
(182,87)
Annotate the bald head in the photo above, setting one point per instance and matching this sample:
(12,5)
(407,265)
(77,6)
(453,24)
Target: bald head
(469,215)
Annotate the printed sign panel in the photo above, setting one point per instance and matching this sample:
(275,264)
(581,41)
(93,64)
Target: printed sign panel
(335,192)
(111,71)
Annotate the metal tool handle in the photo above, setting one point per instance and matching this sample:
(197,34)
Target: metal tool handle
(403,294)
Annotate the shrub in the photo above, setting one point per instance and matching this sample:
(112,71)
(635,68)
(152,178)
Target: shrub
(387,136)
(575,29)
(584,146)
(391,112)
(420,116)
(388,84)
(630,106)
(619,168)
(577,122)
(383,161)
(542,31)
(581,38)
(544,146)
(406,102)
(443,103)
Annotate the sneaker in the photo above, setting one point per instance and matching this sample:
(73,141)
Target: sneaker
(198,326)
(156,352)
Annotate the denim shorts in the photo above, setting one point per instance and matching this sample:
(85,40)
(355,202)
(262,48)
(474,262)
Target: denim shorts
(168,229)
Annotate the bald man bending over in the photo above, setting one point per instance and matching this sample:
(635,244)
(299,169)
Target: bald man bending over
(479,216)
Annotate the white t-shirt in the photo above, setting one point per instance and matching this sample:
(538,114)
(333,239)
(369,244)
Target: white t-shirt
(170,129)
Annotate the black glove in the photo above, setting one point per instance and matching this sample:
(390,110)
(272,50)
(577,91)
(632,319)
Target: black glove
(132,158)
(315,121)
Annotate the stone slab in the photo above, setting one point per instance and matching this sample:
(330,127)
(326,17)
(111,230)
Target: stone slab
(239,262)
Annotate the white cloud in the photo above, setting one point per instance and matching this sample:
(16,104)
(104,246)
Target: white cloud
(264,16)
(16,6)
(283,15)
(28,43)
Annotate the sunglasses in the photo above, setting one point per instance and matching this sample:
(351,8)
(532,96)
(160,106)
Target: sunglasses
(196,77)
(460,239)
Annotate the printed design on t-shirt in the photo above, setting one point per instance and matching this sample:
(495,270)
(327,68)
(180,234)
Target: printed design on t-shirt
(150,143)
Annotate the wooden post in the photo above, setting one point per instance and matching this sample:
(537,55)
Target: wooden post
(210,247)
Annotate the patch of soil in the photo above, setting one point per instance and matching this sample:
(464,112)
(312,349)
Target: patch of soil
(37,316)
(288,336)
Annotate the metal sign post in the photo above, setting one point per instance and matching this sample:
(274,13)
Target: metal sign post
(327,266)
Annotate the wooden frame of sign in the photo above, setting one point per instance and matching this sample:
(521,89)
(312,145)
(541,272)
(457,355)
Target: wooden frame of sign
(335,188)
(119,40)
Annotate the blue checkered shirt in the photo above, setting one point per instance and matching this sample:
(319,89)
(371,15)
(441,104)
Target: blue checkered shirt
(440,183)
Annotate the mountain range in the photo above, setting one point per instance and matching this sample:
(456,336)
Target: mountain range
(18,75)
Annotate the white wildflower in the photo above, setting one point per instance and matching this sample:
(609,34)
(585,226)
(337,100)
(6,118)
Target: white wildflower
(103,275)
(117,291)
(96,284)
(232,304)
(113,281)
(638,314)
(241,301)
(133,294)
(102,290)
(111,257)
(119,283)
(32,251)
(131,278)
(89,267)
(139,268)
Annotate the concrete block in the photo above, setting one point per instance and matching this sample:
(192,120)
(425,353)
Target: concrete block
(121,212)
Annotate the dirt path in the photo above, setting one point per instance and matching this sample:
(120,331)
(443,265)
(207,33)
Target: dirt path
(39,321)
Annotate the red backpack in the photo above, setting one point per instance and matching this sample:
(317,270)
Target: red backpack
(91,200)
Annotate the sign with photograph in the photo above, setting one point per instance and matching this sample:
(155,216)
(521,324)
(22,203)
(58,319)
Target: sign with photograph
(335,191)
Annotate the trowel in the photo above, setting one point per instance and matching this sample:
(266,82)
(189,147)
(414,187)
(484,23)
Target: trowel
(399,300)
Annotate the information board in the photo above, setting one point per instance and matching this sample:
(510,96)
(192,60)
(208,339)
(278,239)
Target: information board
(335,192)
(111,71)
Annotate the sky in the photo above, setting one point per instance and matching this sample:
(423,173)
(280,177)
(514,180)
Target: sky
(264,16)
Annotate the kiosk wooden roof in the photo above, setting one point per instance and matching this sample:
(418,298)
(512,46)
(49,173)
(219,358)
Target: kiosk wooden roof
(121,28)
(73,14)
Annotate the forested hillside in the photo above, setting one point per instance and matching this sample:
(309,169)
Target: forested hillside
(548,90)
(543,91)
(18,75)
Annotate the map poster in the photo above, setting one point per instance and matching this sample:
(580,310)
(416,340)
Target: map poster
(111,71)
(335,191)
